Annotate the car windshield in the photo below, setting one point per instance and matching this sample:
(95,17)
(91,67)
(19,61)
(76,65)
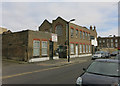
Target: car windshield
(104,68)
(98,52)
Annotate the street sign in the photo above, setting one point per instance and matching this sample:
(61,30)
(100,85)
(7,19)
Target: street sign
(54,37)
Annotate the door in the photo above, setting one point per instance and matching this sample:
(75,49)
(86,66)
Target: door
(76,49)
(51,49)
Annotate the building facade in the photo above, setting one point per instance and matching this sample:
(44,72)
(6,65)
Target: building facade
(26,45)
(109,42)
(79,37)
(33,46)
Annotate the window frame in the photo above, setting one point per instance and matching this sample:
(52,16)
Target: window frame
(43,47)
(72,32)
(72,48)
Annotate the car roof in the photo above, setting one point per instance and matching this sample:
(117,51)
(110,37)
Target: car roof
(108,60)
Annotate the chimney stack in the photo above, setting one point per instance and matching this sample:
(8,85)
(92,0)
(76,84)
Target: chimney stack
(90,27)
(94,28)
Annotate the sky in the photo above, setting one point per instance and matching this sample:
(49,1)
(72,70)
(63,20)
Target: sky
(18,16)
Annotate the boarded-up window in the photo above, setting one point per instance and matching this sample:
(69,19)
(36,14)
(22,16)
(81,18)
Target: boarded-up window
(36,47)
(44,48)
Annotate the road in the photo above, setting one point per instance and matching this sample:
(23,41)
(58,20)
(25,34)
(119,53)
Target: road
(66,74)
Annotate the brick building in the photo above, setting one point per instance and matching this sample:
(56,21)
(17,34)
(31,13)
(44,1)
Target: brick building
(112,43)
(26,45)
(79,37)
(33,46)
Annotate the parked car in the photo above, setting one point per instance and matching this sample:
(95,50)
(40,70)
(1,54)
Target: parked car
(117,57)
(107,54)
(102,72)
(114,53)
(99,54)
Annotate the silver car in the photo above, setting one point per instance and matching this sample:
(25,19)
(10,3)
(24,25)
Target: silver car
(99,54)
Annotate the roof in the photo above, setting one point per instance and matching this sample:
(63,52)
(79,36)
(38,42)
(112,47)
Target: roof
(44,22)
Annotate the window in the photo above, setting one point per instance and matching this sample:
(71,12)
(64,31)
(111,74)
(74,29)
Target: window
(89,49)
(80,48)
(111,40)
(108,45)
(72,32)
(112,45)
(104,45)
(103,41)
(99,41)
(116,45)
(116,40)
(83,35)
(86,36)
(36,47)
(83,48)
(44,47)
(80,34)
(76,33)
(71,48)
(59,30)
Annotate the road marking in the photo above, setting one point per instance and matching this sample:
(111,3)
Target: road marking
(25,73)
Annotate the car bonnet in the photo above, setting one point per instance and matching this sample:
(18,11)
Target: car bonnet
(89,78)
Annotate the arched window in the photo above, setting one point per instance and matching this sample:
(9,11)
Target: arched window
(59,30)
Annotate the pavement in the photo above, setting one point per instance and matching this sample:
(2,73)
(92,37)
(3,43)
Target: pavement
(57,62)
(63,61)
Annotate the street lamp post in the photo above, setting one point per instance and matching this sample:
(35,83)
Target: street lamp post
(68,40)
(109,43)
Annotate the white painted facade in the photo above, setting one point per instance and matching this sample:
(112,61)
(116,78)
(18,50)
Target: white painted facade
(56,57)
(94,42)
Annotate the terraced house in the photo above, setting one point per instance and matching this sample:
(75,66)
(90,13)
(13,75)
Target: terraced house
(110,43)
(79,37)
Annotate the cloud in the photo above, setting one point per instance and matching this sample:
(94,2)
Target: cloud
(113,31)
(23,15)
(61,1)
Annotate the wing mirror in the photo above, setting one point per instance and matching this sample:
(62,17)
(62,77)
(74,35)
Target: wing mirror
(84,69)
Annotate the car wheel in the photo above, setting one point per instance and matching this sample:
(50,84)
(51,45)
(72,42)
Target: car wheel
(93,59)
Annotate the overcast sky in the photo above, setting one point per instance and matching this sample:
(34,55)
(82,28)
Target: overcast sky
(18,16)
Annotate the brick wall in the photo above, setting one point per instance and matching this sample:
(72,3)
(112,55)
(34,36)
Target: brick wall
(14,45)
(41,36)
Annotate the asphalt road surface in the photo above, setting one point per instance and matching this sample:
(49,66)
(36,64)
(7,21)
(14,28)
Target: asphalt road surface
(66,74)
(54,75)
